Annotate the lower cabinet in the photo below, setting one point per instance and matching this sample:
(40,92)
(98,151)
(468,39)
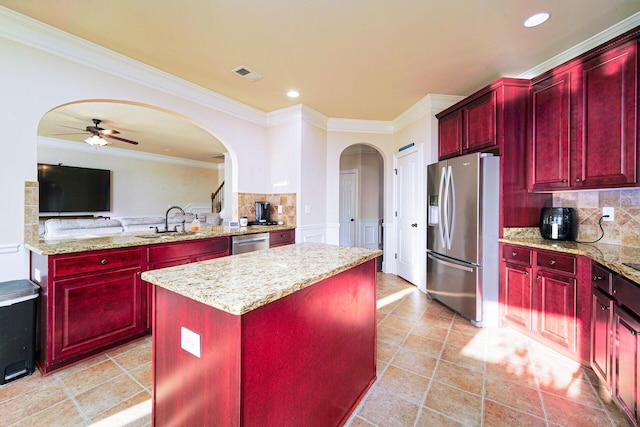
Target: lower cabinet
(615,342)
(540,294)
(89,302)
(281,238)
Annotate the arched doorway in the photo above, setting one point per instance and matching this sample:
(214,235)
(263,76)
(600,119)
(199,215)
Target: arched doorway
(361,197)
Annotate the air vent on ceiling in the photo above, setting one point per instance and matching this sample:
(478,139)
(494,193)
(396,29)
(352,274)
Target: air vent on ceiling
(246,73)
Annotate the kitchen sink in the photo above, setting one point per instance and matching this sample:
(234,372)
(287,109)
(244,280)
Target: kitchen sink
(171,234)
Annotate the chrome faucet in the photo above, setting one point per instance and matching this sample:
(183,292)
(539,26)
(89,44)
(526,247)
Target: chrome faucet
(166,219)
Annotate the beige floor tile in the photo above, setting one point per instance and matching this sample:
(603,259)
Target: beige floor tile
(403,383)
(32,402)
(497,415)
(468,356)
(568,413)
(429,418)
(514,395)
(143,374)
(91,376)
(460,377)
(63,414)
(136,356)
(391,335)
(133,412)
(359,422)
(428,330)
(436,320)
(577,390)
(416,362)
(424,345)
(397,322)
(460,405)
(386,409)
(24,385)
(80,366)
(107,395)
(385,351)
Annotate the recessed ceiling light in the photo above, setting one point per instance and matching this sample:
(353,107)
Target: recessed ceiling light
(537,19)
(293,93)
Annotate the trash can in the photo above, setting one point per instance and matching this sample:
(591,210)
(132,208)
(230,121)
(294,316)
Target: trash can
(18,308)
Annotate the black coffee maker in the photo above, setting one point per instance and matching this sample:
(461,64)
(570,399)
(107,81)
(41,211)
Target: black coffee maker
(263,213)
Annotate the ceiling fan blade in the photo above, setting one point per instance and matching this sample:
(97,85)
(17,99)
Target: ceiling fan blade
(108,132)
(74,133)
(69,127)
(121,139)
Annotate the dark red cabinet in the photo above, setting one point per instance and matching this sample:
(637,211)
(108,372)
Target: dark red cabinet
(626,363)
(602,335)
(480,123)
(281,238)
(450,135)
(584,123)
(540,294)
(89,302)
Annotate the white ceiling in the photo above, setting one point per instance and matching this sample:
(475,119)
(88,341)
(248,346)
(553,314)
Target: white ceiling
(355,59)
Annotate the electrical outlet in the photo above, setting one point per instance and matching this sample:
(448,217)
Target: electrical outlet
(279,209)
(608,211)
(190,341)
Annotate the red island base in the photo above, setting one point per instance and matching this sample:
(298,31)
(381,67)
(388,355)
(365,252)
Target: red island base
(304,360)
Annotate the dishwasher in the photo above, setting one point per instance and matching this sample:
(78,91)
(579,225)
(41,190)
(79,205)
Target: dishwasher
(249,243)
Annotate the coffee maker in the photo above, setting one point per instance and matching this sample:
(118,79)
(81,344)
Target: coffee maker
(263,214)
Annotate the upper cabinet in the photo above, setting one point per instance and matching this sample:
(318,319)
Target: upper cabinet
(584,123)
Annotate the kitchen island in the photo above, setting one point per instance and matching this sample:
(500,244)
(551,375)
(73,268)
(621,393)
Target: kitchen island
(280,337)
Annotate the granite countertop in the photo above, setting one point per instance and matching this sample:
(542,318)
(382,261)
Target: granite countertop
(240,283)
(611,256)
(132,239)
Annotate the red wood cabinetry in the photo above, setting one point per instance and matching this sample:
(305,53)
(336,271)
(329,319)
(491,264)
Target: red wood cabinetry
(172,254)
(540,293)
(627,363)
(494,119)
(281,238)
(585,121)
(89,302)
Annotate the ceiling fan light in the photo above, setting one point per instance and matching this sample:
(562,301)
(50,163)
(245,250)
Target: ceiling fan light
(96,141)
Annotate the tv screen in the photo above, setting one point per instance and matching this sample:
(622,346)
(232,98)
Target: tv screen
(74,189)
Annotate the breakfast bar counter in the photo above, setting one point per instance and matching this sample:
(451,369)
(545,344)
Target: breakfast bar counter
(284,336)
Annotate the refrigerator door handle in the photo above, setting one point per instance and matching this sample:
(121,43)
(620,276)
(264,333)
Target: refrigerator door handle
(452,191)
(441,212)
(450,264)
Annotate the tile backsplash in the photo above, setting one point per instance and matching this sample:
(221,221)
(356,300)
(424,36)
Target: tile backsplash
(623,230)
(247,206)
(31,211)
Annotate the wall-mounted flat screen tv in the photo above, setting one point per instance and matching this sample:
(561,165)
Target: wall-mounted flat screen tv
(73,189)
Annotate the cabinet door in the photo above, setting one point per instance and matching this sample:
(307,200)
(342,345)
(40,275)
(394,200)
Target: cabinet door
(551,112)
(601,335)
(607,140)
(93,311)
(626,356)
(450,135)
(556,308)
(516,291)
(479,120)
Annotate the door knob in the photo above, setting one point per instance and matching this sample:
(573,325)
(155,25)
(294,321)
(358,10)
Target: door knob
(351,219)
(414,224)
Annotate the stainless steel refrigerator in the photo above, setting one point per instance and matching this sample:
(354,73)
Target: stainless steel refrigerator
(462,235)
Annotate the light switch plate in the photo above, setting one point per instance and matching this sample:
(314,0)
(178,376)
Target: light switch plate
(190,341)
(607,211)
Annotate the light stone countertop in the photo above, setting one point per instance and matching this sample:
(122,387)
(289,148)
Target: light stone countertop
(127,240)
(610,256)
(240,283)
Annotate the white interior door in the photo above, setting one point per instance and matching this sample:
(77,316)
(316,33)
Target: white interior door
(409,255)
(348,207)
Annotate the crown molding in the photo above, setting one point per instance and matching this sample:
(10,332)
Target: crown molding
(592,42)
(431,104)
(123,153)
(22,29)
(360,126)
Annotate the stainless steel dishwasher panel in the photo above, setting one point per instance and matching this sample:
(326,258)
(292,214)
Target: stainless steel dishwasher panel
(249,243)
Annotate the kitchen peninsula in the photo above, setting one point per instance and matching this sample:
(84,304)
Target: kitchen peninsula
(285,336)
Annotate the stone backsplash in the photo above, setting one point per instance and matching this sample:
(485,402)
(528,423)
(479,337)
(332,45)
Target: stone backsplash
(623,230)
(31,211)
(247,206)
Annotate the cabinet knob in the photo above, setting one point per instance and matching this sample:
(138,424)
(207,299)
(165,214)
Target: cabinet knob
(103,262)
(415,224)
(577,179)
(552,262)
(526,273)
(514,253)
(537,276)
(634,332)
(564,180)
(604,307)
(596,278)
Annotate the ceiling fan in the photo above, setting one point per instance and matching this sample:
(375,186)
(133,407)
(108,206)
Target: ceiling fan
(97,134)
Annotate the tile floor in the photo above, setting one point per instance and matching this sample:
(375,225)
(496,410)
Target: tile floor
(434,369)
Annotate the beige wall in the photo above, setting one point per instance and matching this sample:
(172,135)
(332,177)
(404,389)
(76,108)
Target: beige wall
(624,230)
(370,181)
